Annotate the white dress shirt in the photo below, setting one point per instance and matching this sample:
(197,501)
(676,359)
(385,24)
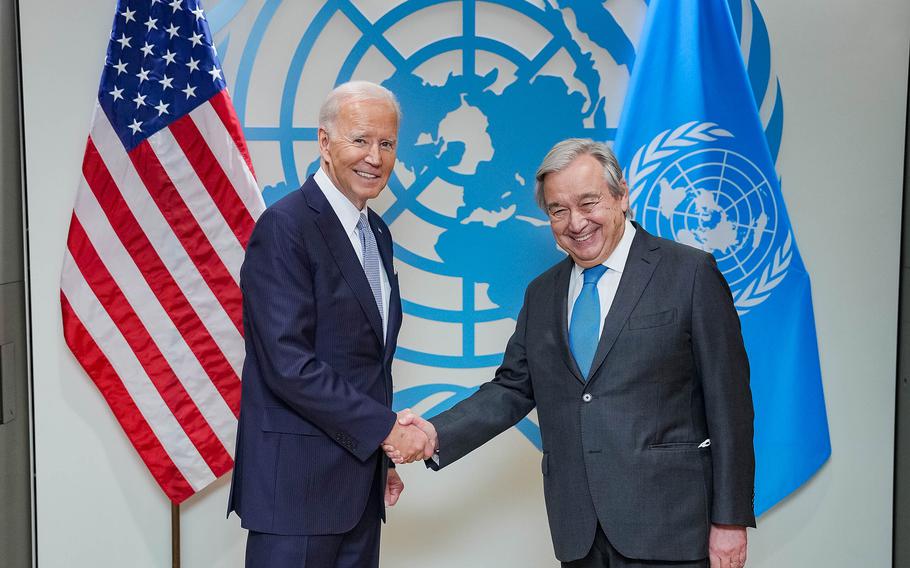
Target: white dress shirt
(609,282)
(349,216)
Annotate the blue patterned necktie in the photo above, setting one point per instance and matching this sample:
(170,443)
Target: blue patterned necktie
(584,329)
(371,262)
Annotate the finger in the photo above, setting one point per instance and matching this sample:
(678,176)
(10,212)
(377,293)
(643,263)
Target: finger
(715,562)
(395,493)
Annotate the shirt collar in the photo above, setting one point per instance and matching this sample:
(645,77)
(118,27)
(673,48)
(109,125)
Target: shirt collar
(346,212)
(617,259)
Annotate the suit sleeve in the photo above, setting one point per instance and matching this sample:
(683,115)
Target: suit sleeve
(724,370)
(279,310)
(495,407)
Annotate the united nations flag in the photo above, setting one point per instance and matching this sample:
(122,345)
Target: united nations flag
(700,172)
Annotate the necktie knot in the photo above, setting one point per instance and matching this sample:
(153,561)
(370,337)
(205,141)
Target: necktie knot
(593,274)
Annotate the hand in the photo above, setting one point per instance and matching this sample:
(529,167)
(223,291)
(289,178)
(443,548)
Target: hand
(407,418)
(393,488)
(406,442)
(727,546)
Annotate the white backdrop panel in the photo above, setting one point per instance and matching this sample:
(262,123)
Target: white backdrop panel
(843,71)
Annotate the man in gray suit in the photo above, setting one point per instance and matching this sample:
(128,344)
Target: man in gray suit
(631,351)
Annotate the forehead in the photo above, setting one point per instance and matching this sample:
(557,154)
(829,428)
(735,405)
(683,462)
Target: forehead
(583,177)
(368,113)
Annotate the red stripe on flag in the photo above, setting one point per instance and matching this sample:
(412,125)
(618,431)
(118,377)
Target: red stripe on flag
(214,179)
(187,229)
(147,353)
(138,431)
(159,279)
(224,108)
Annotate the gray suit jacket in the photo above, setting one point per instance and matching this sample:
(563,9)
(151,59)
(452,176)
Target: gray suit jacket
(623,446)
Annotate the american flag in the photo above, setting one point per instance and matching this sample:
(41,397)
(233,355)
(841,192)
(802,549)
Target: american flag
(149,292)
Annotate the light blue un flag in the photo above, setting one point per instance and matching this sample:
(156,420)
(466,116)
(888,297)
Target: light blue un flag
(700,172)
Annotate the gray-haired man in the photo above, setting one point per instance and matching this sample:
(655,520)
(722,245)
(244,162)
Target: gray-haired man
(631,351)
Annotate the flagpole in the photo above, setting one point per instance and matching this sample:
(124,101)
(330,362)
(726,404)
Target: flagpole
(175,535)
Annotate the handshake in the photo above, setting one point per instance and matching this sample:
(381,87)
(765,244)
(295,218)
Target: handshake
(411,439)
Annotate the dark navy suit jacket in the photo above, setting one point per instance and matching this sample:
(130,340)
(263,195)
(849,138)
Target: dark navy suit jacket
(317,383)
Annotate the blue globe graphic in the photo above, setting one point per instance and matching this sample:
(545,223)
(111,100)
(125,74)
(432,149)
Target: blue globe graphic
(498,237)
(505,250)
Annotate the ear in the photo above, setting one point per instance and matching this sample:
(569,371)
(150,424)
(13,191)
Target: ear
(323,138)
(625,196)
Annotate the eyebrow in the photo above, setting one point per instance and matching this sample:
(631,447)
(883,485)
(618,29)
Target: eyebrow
(361,134)
(582,197)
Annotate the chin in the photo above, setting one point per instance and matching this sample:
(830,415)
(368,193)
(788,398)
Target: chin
(373,192)
(587,256)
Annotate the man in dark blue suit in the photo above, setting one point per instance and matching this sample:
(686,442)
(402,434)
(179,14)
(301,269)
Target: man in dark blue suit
(321,314)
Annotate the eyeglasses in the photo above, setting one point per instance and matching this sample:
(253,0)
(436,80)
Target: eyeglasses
(587,206)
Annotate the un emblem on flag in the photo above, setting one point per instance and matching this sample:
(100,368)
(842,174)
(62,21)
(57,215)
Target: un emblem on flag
(687,187)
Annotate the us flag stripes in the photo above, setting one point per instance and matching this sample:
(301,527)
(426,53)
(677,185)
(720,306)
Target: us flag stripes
(150,290)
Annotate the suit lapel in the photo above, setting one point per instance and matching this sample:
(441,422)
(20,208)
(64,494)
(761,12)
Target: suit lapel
(340,247)
(643,258)
(561,303)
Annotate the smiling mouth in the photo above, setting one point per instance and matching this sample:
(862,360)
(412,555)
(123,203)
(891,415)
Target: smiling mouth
(583,238)
(366,175)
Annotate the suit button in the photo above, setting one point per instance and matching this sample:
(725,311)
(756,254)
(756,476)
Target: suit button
(587,397)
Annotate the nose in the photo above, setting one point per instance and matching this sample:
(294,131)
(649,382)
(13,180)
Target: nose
(374,157)
(577,221)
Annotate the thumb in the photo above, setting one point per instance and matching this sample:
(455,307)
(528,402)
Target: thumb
(406,417)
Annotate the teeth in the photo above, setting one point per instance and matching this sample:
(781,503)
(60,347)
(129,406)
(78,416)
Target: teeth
(584,238)
(365,175)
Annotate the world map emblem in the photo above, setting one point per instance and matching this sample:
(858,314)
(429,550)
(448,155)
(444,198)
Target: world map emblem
(687,186)
(486,88)
(484,94)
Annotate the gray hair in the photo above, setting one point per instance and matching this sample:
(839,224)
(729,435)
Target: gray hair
(564,153)
(354,91)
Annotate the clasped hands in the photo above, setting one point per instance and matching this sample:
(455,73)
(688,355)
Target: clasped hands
(412,438)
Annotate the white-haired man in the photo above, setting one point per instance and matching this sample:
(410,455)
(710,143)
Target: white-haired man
(631,351)
(321,314)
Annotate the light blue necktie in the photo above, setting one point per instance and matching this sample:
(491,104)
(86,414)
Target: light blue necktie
(371,262)
(584,329)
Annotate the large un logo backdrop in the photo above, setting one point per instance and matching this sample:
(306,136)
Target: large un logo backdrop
(486,87)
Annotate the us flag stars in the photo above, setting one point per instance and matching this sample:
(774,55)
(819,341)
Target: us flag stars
(160,65)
